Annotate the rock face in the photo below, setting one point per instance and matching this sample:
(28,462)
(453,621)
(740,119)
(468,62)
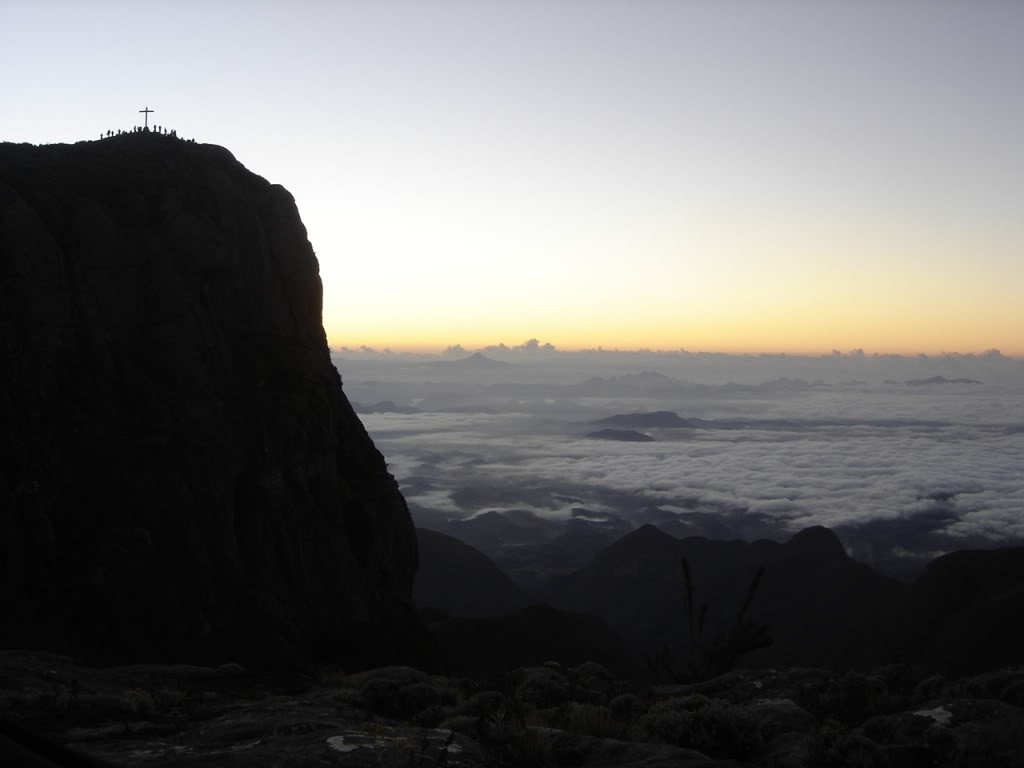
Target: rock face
(182,476)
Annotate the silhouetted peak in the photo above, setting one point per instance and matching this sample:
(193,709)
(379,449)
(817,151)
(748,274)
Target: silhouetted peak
(460,580)
(649,532)
(645,542)
(938,380)
(477,359)
(817,540)
(646,420)
(648,377)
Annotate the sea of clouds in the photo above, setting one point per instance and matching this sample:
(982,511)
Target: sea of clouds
(924,468)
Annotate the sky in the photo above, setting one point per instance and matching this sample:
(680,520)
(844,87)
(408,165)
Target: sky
(718,176)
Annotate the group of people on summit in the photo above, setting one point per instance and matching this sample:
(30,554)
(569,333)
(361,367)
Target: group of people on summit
(141,129)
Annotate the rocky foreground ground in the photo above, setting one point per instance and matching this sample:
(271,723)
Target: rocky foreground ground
(174,715)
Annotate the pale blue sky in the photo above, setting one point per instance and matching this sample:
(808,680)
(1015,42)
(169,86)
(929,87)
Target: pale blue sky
(773,175)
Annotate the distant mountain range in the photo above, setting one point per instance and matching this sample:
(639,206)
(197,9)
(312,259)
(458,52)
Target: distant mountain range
(621,435)
(649,420)
(672,420)
(532,549)
(938,380)
(476,361)
(486,624)
(822,607)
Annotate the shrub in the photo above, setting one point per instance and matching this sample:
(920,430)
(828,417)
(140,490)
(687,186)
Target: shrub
(856,751)
(707,725)
(593,720)
(705,657)
(689,703)
(417,697)
(626,706)
(859,696)
(532,747)
(542,687)
(431,717)
(380,696)
(463,724)
(483,703)
(670,726)
(928,689)
(723,731)
(138,702)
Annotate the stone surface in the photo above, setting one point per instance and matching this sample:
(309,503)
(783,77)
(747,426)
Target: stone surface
(177,715)
(182,476)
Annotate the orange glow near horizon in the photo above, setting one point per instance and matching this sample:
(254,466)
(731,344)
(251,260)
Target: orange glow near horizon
(743,284)
(795,313)
(721,340)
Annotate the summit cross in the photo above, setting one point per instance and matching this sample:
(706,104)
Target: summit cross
(145,116)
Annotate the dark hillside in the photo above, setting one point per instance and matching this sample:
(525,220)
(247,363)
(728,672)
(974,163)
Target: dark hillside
(965,614)
(822,606)
(492,646)
(456,578)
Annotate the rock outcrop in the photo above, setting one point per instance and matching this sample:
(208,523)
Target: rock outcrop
(181,474)
(539,715)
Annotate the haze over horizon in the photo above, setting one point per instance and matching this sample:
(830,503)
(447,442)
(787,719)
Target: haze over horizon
(534,347)
(734,177)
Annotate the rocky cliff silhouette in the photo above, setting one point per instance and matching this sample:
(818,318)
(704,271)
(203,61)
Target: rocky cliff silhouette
(182,476)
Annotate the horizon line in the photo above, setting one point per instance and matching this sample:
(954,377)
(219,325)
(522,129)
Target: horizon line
(408,348)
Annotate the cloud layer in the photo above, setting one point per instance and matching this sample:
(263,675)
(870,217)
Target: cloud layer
(828,475)
(914,470)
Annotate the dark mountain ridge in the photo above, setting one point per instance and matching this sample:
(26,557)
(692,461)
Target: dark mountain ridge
(182,476)
(648,420)
(672,420)
(822,607)
(966,612)
(458,579)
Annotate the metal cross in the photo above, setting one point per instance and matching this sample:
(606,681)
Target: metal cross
(145,117)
